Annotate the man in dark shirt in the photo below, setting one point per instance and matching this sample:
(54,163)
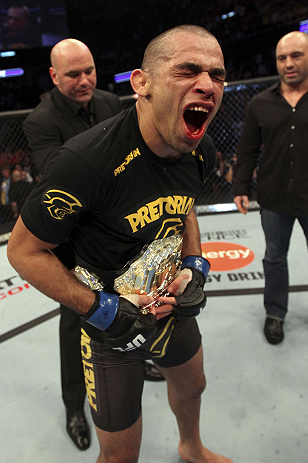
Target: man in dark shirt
(277,120)
(120,193)
(71,107)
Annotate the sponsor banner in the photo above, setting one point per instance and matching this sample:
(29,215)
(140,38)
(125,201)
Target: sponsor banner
(225,256)
(234,245)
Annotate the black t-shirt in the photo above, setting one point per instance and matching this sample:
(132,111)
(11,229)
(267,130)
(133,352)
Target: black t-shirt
(111,195)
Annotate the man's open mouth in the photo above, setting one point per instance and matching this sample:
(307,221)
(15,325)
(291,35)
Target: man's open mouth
(195,118)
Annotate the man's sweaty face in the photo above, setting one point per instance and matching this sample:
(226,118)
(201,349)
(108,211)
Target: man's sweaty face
(187,90)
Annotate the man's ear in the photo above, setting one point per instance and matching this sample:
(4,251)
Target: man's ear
(53,75)
(139,82)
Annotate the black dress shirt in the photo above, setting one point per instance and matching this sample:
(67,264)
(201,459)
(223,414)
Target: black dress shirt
(86,115)
(282,131)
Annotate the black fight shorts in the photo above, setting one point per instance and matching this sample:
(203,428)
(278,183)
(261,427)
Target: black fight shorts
(114,380)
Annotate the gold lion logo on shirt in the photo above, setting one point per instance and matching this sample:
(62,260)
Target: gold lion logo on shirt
(61,203)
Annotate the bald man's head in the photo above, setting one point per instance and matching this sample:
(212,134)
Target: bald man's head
(73,70)
(292,59)
(299,37)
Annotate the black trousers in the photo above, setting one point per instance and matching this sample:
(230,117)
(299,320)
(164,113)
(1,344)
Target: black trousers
(72,376)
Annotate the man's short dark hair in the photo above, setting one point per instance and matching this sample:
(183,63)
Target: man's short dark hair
(157,48)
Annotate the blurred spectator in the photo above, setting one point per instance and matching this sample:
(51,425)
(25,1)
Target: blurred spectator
(17,156)
(228,170)
(16,31)
(24,174)
(18,191)
(5,206)
(217,186)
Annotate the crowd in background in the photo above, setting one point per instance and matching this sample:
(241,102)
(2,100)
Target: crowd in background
(17,178)
(117,32)
(247,31)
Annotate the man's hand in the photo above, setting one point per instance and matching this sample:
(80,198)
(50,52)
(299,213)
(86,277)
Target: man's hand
(176,287)
(124,327)
(189,298)
(242,203)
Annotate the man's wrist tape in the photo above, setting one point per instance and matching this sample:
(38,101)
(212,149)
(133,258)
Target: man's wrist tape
(103,311)
(197,262)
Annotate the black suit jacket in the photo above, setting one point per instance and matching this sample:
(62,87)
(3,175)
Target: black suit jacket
(53,122)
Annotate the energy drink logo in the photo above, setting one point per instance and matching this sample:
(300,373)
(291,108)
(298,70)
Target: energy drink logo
(59,203)
(226,256)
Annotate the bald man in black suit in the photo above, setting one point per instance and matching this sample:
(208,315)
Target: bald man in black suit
(71,107)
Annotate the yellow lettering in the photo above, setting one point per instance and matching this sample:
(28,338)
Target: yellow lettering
(170,206)
(178,203)
(133,221)
(189,205)
(153,209)
(85,348)
(85,334)
(129,158)
(90,365)
(133,154)
(182,210)
(143,216)
(89,377)
(196,153)
(161,202)
(91,394)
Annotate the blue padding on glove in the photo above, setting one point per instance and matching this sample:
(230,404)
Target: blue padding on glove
(103,311)
(197,262)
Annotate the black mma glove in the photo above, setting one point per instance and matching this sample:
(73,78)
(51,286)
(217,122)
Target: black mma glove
(193,299)
(124,327)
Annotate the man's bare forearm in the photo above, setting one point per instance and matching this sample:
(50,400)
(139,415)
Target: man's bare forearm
(191,236)
(42,269)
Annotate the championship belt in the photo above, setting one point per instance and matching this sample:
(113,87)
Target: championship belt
(150,273)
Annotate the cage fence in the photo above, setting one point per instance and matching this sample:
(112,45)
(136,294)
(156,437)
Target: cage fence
(19,175)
